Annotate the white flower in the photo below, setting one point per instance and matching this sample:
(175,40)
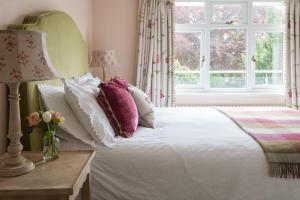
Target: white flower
(47,116)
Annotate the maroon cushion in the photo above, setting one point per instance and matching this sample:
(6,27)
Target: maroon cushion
(121,82)
(119,107)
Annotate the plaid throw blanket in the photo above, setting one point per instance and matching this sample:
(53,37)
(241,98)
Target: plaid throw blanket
(278,133)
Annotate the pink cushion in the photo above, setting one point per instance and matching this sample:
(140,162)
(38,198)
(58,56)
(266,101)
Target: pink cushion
(119,107)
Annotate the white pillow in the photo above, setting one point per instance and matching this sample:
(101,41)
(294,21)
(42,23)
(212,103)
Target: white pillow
(82,100)
(144,106)
(53,98)
(87,78)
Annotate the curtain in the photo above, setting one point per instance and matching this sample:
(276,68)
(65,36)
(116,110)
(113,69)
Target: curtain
(155,73)
(293,54)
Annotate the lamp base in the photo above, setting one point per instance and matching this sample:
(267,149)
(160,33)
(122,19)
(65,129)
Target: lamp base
(24,167)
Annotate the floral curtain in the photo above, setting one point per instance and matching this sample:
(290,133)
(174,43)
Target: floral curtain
(293,54)
(155,51)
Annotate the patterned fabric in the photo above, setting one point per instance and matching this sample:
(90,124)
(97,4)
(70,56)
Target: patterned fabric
(278,133)
(293,52)
(144,106)
(24,57)
(105,58)
(155,51)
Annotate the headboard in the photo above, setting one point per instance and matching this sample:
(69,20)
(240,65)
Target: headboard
(68,53)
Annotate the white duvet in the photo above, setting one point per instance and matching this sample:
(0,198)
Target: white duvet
(194,154)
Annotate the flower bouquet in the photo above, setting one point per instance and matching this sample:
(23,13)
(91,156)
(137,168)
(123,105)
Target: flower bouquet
(48,122)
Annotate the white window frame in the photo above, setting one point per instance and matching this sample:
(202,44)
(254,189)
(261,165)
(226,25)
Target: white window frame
(274,87)
(250,49)
(227,2)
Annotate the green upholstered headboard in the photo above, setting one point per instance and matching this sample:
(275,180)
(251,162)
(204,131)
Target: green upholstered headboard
(68,53)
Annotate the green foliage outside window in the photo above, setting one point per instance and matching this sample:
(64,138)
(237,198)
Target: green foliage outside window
(228,52)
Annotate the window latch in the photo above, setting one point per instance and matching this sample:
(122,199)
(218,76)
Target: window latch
(229,22)
(202,61)
(253,59)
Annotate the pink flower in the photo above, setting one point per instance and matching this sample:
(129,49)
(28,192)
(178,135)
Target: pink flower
(15,75)
(56,115)
(38,72)
(34,119)
(150,23)
(22,58)
(290,94)
(30,42)
(57,118)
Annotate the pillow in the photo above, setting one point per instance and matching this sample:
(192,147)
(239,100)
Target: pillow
(144,106)
(89,83)
(119,107)
(85,78)
(82,100)
(53,99)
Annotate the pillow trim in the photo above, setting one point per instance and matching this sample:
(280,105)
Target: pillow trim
(105,142)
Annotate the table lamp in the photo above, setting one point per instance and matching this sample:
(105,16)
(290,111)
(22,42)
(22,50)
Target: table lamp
(104,59)
(23,58)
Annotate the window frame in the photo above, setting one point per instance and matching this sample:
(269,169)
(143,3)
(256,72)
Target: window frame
(253,63)
(246,64)
(211,4)
(251,29)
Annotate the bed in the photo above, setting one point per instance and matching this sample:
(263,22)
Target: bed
(194,153)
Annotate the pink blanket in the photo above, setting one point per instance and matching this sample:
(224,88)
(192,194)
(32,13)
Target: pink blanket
(278,133)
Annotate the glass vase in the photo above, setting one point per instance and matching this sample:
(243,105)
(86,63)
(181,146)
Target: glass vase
(50,146)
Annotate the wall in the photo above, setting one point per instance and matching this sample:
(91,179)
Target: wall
(115,27)
(13,11)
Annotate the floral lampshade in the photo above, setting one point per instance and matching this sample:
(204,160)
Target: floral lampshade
(24,57)
(105,58)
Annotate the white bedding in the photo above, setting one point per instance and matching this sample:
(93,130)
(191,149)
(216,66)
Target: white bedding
(195,153)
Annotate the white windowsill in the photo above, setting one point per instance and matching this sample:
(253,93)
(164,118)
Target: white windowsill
(229,98)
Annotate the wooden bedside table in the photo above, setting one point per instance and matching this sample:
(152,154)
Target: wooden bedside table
(59,179)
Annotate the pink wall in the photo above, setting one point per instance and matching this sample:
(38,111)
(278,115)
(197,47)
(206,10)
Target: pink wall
(12,12)
(115,27)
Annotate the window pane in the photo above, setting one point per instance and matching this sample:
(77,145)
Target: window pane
(268,12)
(229,12)
(227,80)
(187,58)
(263,78)
(227,55)
(189,13)
(268,58)
(227,49)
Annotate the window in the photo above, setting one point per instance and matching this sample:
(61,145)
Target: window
(267,12)
(268,58)
(229,45)
(189,12)
(188,53)
(227,58)
(229,12)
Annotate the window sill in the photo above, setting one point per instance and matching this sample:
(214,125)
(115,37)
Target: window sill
(230,98)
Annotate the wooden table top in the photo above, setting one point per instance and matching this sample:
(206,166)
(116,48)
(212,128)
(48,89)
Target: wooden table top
(54,177)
